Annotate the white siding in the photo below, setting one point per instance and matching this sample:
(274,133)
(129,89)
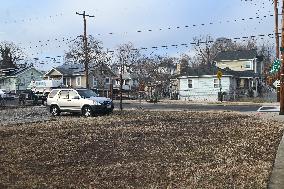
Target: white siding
(203,88)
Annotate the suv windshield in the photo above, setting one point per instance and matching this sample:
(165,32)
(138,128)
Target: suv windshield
(86,93)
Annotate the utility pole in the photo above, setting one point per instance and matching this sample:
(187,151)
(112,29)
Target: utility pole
(277,44)
(276,27)
(282,66)
(121,81)
(85,43)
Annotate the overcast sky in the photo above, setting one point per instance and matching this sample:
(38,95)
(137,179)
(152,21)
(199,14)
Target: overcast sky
(44,27)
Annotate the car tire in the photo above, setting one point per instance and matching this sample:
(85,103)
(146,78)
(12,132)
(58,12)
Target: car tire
(54,110)
(87,111)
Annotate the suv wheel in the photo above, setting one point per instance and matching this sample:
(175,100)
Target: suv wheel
(87,111)
(54,110)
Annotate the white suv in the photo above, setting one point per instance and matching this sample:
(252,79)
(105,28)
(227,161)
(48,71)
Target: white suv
(82,101)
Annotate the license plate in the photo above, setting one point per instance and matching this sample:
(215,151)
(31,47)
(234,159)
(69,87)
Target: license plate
(108,106)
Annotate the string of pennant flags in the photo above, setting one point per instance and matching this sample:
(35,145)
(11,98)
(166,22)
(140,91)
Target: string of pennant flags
(68,40)
(29,20)
(164,47)
(192,25)
(160,29)
(42,43)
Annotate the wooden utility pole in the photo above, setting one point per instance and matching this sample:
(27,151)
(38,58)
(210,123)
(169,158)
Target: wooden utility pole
(85,43)
(277,45)
(276,27)
(282,66)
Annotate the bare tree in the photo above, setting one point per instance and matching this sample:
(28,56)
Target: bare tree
(127,56)
(10,54)
(76,53)
(79,54)
(207,49)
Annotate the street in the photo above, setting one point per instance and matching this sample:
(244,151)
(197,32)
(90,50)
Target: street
(188,106)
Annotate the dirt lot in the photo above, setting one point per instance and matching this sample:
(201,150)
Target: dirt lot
(139,150)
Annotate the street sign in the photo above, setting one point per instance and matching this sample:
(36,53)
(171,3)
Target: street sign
(219,74)
(276,83)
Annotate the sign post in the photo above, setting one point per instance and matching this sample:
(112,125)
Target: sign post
(219,76)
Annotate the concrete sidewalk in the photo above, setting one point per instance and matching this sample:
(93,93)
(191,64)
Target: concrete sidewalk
(143,101)
(277,177)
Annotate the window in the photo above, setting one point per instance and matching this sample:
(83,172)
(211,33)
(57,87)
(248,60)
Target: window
(64,95)
(127,81)
(247,66)
(216,83)
(72,94)
(52,93)
(95,82)
(67,81)
(107,80)
(190,83)
(78,81)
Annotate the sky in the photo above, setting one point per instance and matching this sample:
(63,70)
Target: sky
(45,28)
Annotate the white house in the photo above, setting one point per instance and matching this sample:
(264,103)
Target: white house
(19,79)
(202,84)
(205,87)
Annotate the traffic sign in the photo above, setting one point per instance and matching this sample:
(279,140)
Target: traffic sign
(219,74)
(276,83)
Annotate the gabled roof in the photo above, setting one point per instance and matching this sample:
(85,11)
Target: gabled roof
(103,70)
(20,70)
(203,70)
(236,55)
(69,69)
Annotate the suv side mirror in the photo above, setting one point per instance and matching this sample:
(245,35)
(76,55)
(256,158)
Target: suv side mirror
(76,97)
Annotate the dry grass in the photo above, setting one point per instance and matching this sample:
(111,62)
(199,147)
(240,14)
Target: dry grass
(140,150)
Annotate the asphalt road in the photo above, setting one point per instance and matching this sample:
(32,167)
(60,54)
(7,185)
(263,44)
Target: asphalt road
(192,107)
(179,106)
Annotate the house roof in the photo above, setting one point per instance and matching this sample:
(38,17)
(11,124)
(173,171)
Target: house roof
(69,69)
(20,70)
(103,70)
(236,55)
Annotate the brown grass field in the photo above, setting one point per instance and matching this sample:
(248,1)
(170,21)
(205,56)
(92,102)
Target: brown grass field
(140,149)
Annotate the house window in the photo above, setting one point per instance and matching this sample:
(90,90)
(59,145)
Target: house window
(95,82)
(67,81)
(190,83)
(248,66)
(127,82)
(78,81)
(107,80)
(216,83)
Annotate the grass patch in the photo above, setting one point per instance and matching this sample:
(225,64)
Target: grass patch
(140,150)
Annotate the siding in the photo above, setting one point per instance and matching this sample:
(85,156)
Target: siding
(236,65)
(203,88)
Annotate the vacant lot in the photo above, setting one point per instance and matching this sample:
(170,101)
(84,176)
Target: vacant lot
(140,150)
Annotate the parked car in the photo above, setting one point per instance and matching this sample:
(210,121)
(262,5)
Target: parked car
(82,101)
(2,93)
(31,97)
(10,95)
